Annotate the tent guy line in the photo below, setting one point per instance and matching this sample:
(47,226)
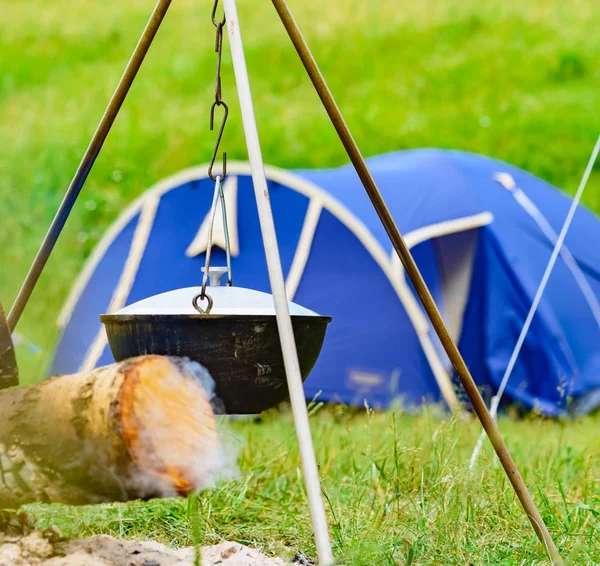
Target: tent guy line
(507,181)
(538,297)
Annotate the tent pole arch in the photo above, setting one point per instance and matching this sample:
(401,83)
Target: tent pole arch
(309,227)
(318,200)
(128,275)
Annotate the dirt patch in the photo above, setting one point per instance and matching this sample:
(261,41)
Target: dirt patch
(49,549)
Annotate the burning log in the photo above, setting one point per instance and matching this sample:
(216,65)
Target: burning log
(141,428)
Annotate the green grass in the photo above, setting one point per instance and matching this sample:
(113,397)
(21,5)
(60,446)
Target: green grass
(519,81)
(398,491)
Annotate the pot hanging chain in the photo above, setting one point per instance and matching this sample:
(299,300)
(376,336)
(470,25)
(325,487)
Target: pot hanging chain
(218,100)
(219,178)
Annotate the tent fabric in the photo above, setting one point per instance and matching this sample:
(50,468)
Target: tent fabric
(480,252)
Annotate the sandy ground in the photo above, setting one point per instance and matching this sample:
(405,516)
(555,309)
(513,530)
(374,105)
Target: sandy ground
(50,549)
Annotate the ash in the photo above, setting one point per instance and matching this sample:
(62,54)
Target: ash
(49,549)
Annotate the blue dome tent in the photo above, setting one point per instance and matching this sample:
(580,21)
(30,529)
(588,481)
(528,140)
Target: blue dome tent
(480,230)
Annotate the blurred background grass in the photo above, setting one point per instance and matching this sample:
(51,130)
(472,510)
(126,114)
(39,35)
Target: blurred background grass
(518,81)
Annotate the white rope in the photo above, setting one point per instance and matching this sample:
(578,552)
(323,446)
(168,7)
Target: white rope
(536,301)
(507,181)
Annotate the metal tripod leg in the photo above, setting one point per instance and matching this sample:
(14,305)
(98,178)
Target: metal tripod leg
(417,280)
(87,161)
(284,322)
(9,373)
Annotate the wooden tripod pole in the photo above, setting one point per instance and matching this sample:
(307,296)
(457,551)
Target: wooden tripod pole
(87,161)
(417,280)
(284,322)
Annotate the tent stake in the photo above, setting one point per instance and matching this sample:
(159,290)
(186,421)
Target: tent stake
(284,322)
(87,161)
(416,278)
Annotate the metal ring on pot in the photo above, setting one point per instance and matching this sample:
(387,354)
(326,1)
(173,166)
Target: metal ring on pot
(201,297)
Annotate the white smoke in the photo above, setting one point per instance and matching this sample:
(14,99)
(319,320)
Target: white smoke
(218,464)
(213,463)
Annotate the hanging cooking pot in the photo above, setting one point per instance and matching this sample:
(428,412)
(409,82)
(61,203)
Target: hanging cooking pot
(237,340)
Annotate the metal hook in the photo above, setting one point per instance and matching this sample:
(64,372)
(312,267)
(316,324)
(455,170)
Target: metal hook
(214,13)
(201,297)
(219,136)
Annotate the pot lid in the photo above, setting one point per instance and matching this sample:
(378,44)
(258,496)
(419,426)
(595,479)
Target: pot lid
(226,300)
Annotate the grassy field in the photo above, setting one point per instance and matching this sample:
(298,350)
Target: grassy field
(398,491)
(519,81)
